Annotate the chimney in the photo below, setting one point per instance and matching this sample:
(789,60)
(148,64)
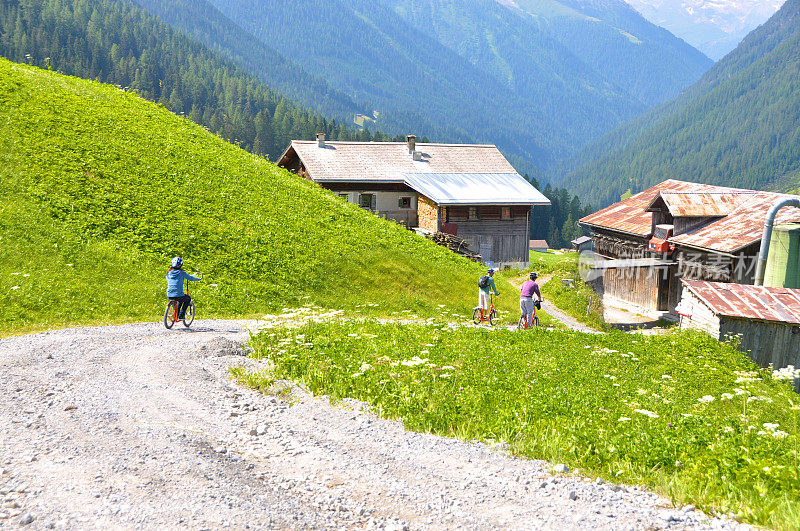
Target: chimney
(411,141)
(320,139)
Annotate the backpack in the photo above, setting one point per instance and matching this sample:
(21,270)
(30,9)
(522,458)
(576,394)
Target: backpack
(483,282)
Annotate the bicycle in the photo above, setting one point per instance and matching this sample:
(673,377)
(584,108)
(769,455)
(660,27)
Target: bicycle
(171,313)
(522,324)
(478,315)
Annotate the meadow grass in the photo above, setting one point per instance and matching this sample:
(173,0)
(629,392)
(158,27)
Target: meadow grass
(100,188)
(682,413)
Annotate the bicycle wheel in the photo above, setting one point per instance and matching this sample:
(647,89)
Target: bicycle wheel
(535,321)
(476,316)
(521,323)
(188,316)
(169,314)
(493,317)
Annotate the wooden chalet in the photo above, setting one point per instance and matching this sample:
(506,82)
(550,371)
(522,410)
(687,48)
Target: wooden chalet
(470,191)
(716,234)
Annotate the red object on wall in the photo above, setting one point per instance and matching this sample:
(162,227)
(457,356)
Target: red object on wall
(450,228)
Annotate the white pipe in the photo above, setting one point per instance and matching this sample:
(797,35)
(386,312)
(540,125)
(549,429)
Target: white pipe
(761,266)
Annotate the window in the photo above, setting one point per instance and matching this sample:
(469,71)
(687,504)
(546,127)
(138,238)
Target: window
(404,202)
(472,213)
(346,197)
(366,201)
(505,212)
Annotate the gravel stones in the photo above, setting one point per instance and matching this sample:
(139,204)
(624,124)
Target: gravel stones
(166,439)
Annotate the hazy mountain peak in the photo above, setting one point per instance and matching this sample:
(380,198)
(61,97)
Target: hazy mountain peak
(713,26)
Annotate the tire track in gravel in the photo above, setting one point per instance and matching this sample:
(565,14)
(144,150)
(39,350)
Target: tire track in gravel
(134,426)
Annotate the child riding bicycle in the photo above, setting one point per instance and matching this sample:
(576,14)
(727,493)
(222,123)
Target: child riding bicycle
(175,277)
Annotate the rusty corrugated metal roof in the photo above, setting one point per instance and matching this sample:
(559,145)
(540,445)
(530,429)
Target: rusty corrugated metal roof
(742,222)
(701,204)
(388,161)
(630,215)
(748,302)
(741,228)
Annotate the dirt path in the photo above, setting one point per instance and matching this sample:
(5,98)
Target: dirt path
(135,426)
(552,310)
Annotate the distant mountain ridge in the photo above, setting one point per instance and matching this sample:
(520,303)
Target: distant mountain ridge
(739,125)
(714,27)
(539,78)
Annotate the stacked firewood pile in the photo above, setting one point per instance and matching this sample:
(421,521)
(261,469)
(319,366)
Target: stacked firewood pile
(455,244)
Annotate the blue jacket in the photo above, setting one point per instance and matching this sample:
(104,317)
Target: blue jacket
(175,278)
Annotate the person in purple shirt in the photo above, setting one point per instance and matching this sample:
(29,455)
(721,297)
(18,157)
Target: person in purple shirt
(175,277)
(526,304)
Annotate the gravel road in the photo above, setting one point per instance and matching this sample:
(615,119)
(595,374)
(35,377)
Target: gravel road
(135,426)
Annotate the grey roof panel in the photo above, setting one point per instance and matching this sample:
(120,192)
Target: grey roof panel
(475,188)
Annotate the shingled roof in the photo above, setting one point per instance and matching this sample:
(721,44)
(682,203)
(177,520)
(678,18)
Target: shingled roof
(741,214)
(388,161)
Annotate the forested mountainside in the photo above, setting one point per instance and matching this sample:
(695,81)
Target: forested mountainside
(118,42)
(739,125)
(511,73)
(206,24)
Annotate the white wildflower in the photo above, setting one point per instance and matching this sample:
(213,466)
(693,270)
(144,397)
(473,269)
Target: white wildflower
(365,367)
(647,413)
(706,398)
(14,287)
(352,335)
(448,368)
(26,275)
(726,396)
(356,374)
(623,419)
(609,377)
(424,352)
(787,373)
(642,391)
(761,432)
(772,426)
(445,375)
(666,377)
(727,429)
(740,392)
(615,385)
(416,360)
(778,434)
(759,399)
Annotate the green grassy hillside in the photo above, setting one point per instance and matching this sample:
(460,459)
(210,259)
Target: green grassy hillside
(98,188)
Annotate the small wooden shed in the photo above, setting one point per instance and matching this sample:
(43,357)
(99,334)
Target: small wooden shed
(538,245)
(766,319)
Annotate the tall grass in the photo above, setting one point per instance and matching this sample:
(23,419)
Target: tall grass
(682,413)
(100,179)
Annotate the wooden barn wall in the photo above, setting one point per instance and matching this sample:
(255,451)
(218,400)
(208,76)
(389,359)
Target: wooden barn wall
(616,245)
(702,318)
(635,285)
(767,342)
(502,240)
